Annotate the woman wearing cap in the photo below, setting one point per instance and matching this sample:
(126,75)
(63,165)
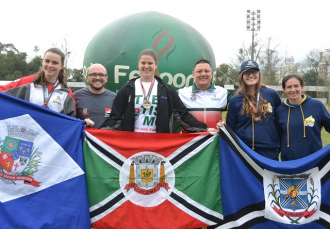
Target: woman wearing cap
(148,104)
(49,88)
(251,112)
(300,119)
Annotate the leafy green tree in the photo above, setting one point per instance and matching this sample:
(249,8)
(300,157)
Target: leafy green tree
(226,74)
(76,75)
(34,65)
(310,79)
(310,71)
(13,64)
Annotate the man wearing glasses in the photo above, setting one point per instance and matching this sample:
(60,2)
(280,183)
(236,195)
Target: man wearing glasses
(95,101)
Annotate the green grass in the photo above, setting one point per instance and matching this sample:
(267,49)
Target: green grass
(325,137)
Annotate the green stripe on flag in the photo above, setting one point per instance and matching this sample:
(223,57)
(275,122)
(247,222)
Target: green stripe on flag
(199,177)
(101,177)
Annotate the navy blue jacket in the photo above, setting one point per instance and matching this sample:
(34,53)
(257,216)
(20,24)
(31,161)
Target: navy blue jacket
(265,135)
(303,137)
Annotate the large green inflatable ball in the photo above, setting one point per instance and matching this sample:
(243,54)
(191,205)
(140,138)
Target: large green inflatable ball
(178,47)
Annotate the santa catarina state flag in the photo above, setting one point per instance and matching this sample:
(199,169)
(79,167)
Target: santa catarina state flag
(261,193)
(143,180)
(42,182)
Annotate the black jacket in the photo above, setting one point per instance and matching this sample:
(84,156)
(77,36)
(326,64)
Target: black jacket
(169,106)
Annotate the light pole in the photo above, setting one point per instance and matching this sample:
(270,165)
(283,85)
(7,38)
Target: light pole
(253,24)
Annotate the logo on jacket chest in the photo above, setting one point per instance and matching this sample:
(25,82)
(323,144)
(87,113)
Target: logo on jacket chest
(310,121)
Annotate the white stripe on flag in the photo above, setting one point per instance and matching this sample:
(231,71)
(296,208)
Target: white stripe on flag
(107,148)
(105,201)
(240,150)
(325,170)
(193,152)
(195,204)
(243,220)
(324,216)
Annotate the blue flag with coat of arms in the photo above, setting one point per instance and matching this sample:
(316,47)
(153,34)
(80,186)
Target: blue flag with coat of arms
(42,180)
(259,193)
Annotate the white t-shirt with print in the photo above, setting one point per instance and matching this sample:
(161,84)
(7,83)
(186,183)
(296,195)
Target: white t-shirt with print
(145,119)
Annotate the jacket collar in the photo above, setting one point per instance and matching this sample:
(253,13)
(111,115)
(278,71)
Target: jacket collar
(196,89)
(159,80)
(286,101)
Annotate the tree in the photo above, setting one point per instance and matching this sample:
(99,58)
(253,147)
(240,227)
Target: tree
(312,60)
(245,53)
(36,49)
(266,55)
(67,53)
(269,62)
(311,71)
(226,74)
(311,79)
(76,76)
(35,64)
(13,64)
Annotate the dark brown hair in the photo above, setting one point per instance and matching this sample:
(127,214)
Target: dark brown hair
(203,61)
(40,77)
(298,77)
(149,52)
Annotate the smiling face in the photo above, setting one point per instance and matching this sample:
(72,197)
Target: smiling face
(147,66)
(202,75)
(251,78)
(97,78)
(52,65)
(293,90)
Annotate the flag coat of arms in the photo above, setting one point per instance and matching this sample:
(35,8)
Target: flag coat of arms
(143,180)
(42,182)
(261,193)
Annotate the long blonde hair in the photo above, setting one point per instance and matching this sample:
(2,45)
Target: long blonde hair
(249,96)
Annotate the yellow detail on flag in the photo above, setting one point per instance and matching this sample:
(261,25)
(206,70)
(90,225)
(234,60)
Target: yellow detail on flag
(147,175)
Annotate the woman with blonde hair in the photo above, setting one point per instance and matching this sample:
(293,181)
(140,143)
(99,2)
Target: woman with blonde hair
(49,87)
(251,112)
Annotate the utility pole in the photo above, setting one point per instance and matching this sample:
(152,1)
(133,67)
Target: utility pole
(253,24)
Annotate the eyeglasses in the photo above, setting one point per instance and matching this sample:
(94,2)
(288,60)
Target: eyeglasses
(247,74)
(94,75)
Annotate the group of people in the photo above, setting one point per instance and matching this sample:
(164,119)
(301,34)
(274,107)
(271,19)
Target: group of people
(147,104)
(278,130)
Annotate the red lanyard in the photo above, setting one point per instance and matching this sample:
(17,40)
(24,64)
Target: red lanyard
(255,107)
(146,97)
(46,100)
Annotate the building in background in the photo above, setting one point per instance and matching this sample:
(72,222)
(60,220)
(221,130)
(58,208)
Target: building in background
(289,67)
(324,66)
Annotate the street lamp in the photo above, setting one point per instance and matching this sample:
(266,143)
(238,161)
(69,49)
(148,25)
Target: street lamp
(253,24)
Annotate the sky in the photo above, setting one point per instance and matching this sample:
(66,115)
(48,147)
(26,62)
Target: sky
(295,26)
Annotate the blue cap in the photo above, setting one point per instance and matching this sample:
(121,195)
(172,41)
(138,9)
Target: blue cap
(247,65)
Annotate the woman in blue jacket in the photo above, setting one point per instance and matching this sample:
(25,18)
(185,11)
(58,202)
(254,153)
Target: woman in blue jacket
(251,112)
(300,119)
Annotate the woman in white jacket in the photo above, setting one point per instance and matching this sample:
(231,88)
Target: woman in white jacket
(49,88)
